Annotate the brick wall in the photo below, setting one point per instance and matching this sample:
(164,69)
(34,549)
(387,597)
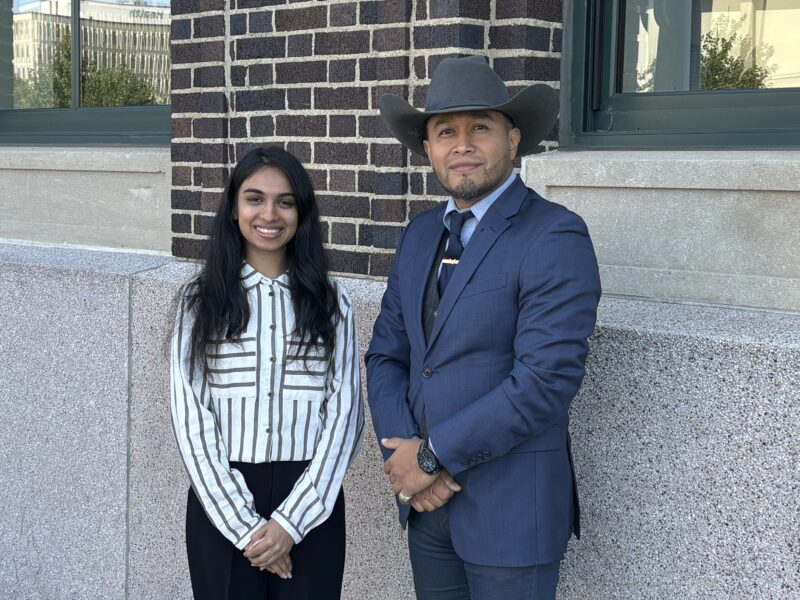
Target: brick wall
(307,76)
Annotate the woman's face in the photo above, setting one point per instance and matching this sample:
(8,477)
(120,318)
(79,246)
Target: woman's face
(267,213)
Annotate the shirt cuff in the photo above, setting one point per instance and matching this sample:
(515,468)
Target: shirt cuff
(287,526)
(242,543)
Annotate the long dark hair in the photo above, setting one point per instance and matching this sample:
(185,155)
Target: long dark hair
(217,296)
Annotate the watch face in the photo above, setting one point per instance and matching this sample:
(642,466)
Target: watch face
(427,460)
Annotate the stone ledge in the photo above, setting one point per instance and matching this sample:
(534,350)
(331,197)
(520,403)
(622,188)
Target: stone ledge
(94,159)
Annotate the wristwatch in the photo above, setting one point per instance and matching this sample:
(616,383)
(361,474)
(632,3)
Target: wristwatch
(427,459)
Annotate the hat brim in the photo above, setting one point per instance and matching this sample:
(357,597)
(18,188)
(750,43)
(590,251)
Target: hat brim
(534,111)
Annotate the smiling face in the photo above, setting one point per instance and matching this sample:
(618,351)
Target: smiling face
(266,210)
(472,153)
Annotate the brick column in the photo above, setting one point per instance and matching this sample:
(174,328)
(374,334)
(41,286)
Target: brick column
(307,76)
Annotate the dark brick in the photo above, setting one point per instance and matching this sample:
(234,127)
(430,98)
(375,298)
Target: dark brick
(181,7)
(263,47)
(181,128)
(343,15)
(420,95)
(324,228)
(380,236)
(243,148)
(557,37)
(262,126)
(299,98)
(260,74)
(341,42)
(343,233)
(298,125)
(319,179)
(259,22)
(373,127)
(203,224)
(418,160)
(388,155)
(342,126)
(388,209)
(301,72)
(458,35)
(183,152)
(261,100)
(528,68)
(210,128)
(180,29)
(301,19)
(238,127)
(342,181)
(212,26)
(185,200)
(181,223)
(382,69)
(435,60)
(332,205)
(258,3)
(380,90)
(188,247)
(546,10)
(214,177)
(213,154)
(210,201)
(238,24)
(416,207)
(394,11)
(342,70)
(422,11)
(198,52)
(341,98)
(181,176)
(181,79)
(301,45)
(393,38)
(379,264)
(238,75)
(416,184)
(337,153)
(470,9)
(300,150)
(383,184)
(344,261)
(433,187)
(517,37)
(209,77)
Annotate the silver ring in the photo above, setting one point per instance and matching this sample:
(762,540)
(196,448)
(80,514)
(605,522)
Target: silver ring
(404,498)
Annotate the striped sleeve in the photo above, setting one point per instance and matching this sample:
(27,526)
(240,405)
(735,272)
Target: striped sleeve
(312,499)
(221,490)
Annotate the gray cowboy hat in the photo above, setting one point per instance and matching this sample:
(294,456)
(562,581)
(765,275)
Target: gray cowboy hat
(464,84)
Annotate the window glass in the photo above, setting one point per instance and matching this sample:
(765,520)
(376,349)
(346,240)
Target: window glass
(125,52)
(38,59)
(705,45)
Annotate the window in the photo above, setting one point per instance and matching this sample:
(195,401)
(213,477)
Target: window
(59,88)
(675,73)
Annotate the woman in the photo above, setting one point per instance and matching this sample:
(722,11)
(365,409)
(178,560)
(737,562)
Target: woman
(266,397)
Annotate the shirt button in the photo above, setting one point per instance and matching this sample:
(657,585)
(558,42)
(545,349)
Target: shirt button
(269,394)
(267,429)
(426,373)
(272,326)
(272,359)
(272,293)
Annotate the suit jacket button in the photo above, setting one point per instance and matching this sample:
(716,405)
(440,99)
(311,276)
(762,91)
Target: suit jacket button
(426,373)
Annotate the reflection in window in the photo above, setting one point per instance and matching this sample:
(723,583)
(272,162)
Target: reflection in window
(696,45)
(117,66)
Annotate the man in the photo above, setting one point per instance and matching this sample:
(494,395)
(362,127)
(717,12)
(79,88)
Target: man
(480,346)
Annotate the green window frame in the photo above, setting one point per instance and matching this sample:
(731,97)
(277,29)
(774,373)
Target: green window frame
(595,113)
(85,126)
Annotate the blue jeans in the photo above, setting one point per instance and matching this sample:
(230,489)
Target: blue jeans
(439,573)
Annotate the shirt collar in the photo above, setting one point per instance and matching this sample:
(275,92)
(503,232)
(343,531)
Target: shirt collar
(479,208)
(251,278)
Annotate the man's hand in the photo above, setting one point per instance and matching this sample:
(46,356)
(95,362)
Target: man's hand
(437,495)
(405,476)
(269,549)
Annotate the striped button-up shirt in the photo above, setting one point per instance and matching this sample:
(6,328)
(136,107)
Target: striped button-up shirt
(262,402)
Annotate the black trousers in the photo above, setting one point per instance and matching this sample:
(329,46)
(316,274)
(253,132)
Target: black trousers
(219,571)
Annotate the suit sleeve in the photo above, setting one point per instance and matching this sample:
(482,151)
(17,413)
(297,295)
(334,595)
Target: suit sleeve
(559,288)
(388,363)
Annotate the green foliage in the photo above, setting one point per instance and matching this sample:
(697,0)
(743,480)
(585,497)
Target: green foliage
(722,59)
(50,87)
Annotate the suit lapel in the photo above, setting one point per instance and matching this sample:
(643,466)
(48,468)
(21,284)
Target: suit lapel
(491,226)
(425,255)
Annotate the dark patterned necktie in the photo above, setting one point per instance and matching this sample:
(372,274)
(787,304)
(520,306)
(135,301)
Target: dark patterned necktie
(452,253)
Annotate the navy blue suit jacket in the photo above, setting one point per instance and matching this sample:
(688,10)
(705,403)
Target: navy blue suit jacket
(495,380)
